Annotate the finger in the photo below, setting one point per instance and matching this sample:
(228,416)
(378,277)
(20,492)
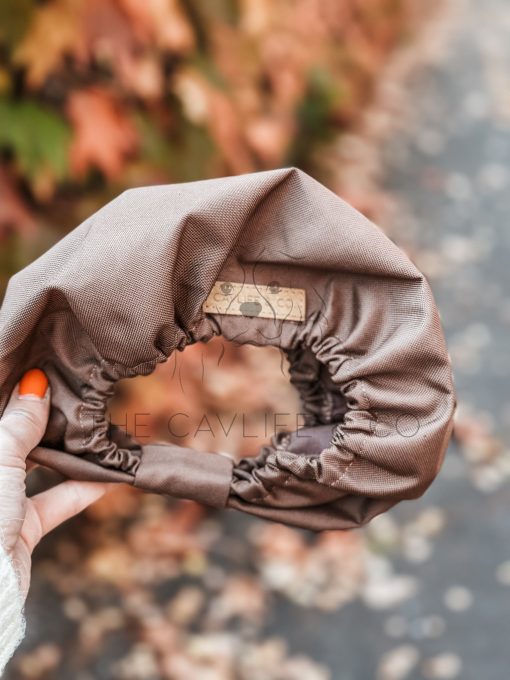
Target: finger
(24,419)
(61,502)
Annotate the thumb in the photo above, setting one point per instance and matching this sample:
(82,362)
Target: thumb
(25,418)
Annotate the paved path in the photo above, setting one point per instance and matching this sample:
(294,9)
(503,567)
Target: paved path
(449,168)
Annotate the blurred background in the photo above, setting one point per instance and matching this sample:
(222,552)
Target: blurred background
(402,109)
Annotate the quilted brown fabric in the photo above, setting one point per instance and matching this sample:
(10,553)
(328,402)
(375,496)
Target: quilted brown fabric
(126,288)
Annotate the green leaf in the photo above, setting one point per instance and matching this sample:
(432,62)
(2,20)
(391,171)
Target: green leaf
(37,136)
(313,116)
(185,154)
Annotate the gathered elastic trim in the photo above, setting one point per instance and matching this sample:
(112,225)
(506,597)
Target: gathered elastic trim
(95,396)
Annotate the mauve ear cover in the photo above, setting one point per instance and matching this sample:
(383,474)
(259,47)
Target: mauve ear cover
(269,258)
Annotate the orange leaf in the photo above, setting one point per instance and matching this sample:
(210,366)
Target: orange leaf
(54,33)
(103,135)
(161,21)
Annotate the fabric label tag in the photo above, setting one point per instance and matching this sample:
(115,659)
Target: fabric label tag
(267,301)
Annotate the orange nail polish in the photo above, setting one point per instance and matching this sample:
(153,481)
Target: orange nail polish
(34,383)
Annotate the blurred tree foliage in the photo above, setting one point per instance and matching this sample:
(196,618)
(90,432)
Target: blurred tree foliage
(96,95)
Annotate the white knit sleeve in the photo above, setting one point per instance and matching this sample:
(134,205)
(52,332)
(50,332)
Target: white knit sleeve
(12,620)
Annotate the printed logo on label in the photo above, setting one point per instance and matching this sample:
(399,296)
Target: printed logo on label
(267,301)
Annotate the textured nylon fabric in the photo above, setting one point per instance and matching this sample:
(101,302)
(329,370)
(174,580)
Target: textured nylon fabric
(125,289)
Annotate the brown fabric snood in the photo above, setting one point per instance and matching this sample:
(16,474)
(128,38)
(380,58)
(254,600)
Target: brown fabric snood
(127,288)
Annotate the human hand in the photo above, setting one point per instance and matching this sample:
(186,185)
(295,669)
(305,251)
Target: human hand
(24,521)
